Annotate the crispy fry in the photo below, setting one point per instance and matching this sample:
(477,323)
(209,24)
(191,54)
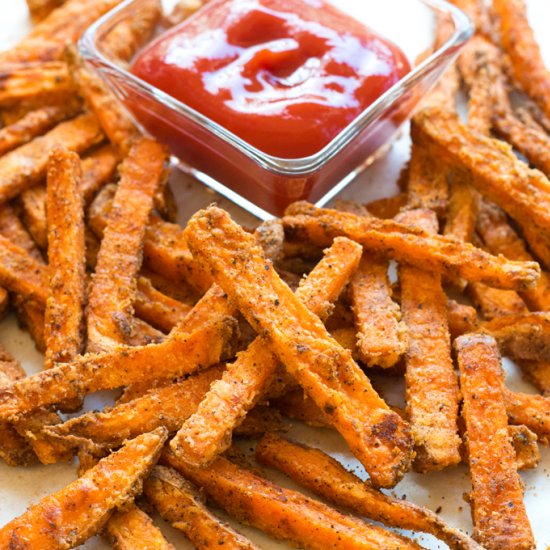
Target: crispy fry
(538,373)
(494,302)
(260,420)
(40,9)
(525,447)
(327,478)
(407,244)
(179,355)
(283,513)
(432,392)
(519,43)
(64,323)
(26,166)
(381,337)
(77,512)
(500,520)
(208,432)
(325,370)
(297,406)
(461,318)
(33,213)
(32,125)
(113,290)
(180,503)
(271,237)
(532,411)
(463,208)
(36,84)
(387,208)
(133,528)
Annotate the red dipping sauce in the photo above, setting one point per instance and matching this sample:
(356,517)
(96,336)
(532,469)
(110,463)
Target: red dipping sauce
(286,76)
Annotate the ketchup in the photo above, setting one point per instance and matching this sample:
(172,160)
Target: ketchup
(286,76)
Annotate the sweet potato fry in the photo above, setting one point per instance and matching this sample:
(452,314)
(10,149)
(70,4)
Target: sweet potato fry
(33,213)
(64,323)
(324,476)
(381,337)
(208,432)
(494,302)
(387,208)
(406,244)
(432,392)
(36,84)
(297,406)
(26,166)
(113,289)
(325,370)
(176,356)
(525,447)
(77,512)
(129,35)
(538,373)
(40,9)
(462,318)
(33,125)
(532,411)
(463,208)
(271,237)
(283,513)
(133,528)
(519,43)
(500,520)
(180,503)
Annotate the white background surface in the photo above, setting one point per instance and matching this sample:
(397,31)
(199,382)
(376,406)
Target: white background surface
(23,486)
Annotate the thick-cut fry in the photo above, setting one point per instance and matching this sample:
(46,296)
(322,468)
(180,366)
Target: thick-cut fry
(32,125)
(77,512)
(387,208)
(431,384)
(47,41)
(133,528)
(40,9)
(494,302)
(381,337)
(381,440)
(327,478)
(36,84)
(26,166)
(176,356)
(180,503)
(208,432)
(97,169)
(500,520)
(67,260)
(283,513)
(113,289)
(532,411)
(407,244)
(520,45)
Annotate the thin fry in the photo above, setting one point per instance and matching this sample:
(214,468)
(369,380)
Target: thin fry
(77,512)
(500,520)
(283,513)
(180,503)
(407,244)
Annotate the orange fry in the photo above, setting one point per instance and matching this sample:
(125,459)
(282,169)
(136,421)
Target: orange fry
(207,433)
(494,302)
(180,503)
(500,520)
(78,511)
(324,476)
(462,318)
(532,411)
(325,370)
(40,9)
(26,166)
(431,384)
(387,208)
(282,513)
(433,253)
(113,289)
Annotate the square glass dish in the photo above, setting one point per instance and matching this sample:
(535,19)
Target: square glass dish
(264,184)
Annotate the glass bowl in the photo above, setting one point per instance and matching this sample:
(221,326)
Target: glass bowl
(262,184)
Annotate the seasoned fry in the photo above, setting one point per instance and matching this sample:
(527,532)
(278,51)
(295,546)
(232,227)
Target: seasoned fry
(532,411)
(32,125)
(302,344)
(208,432)
(327,478)
(381,337)
(64,323)
(297,406)
(461,318)
(494,302)
(26,166)
(133,528)
(180,503)
(39,9)
(112,293)
(283,513)
(525,447)
(77,512)
(538,373)
(432,392)
(406,244)
(35,84)
(463,207)
(33,213)
(271,237)
(518,41)
(500,520)
(387,208)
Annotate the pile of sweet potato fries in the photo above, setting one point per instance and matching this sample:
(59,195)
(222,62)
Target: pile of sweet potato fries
(215,332)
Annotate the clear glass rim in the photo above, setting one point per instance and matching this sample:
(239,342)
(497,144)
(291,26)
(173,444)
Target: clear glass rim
(287,167)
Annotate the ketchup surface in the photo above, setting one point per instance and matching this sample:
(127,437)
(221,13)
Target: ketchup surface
(286,76)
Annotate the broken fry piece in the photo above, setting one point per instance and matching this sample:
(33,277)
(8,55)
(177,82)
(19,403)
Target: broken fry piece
(500,520)
(532,411)
(327,372)
(77,512)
